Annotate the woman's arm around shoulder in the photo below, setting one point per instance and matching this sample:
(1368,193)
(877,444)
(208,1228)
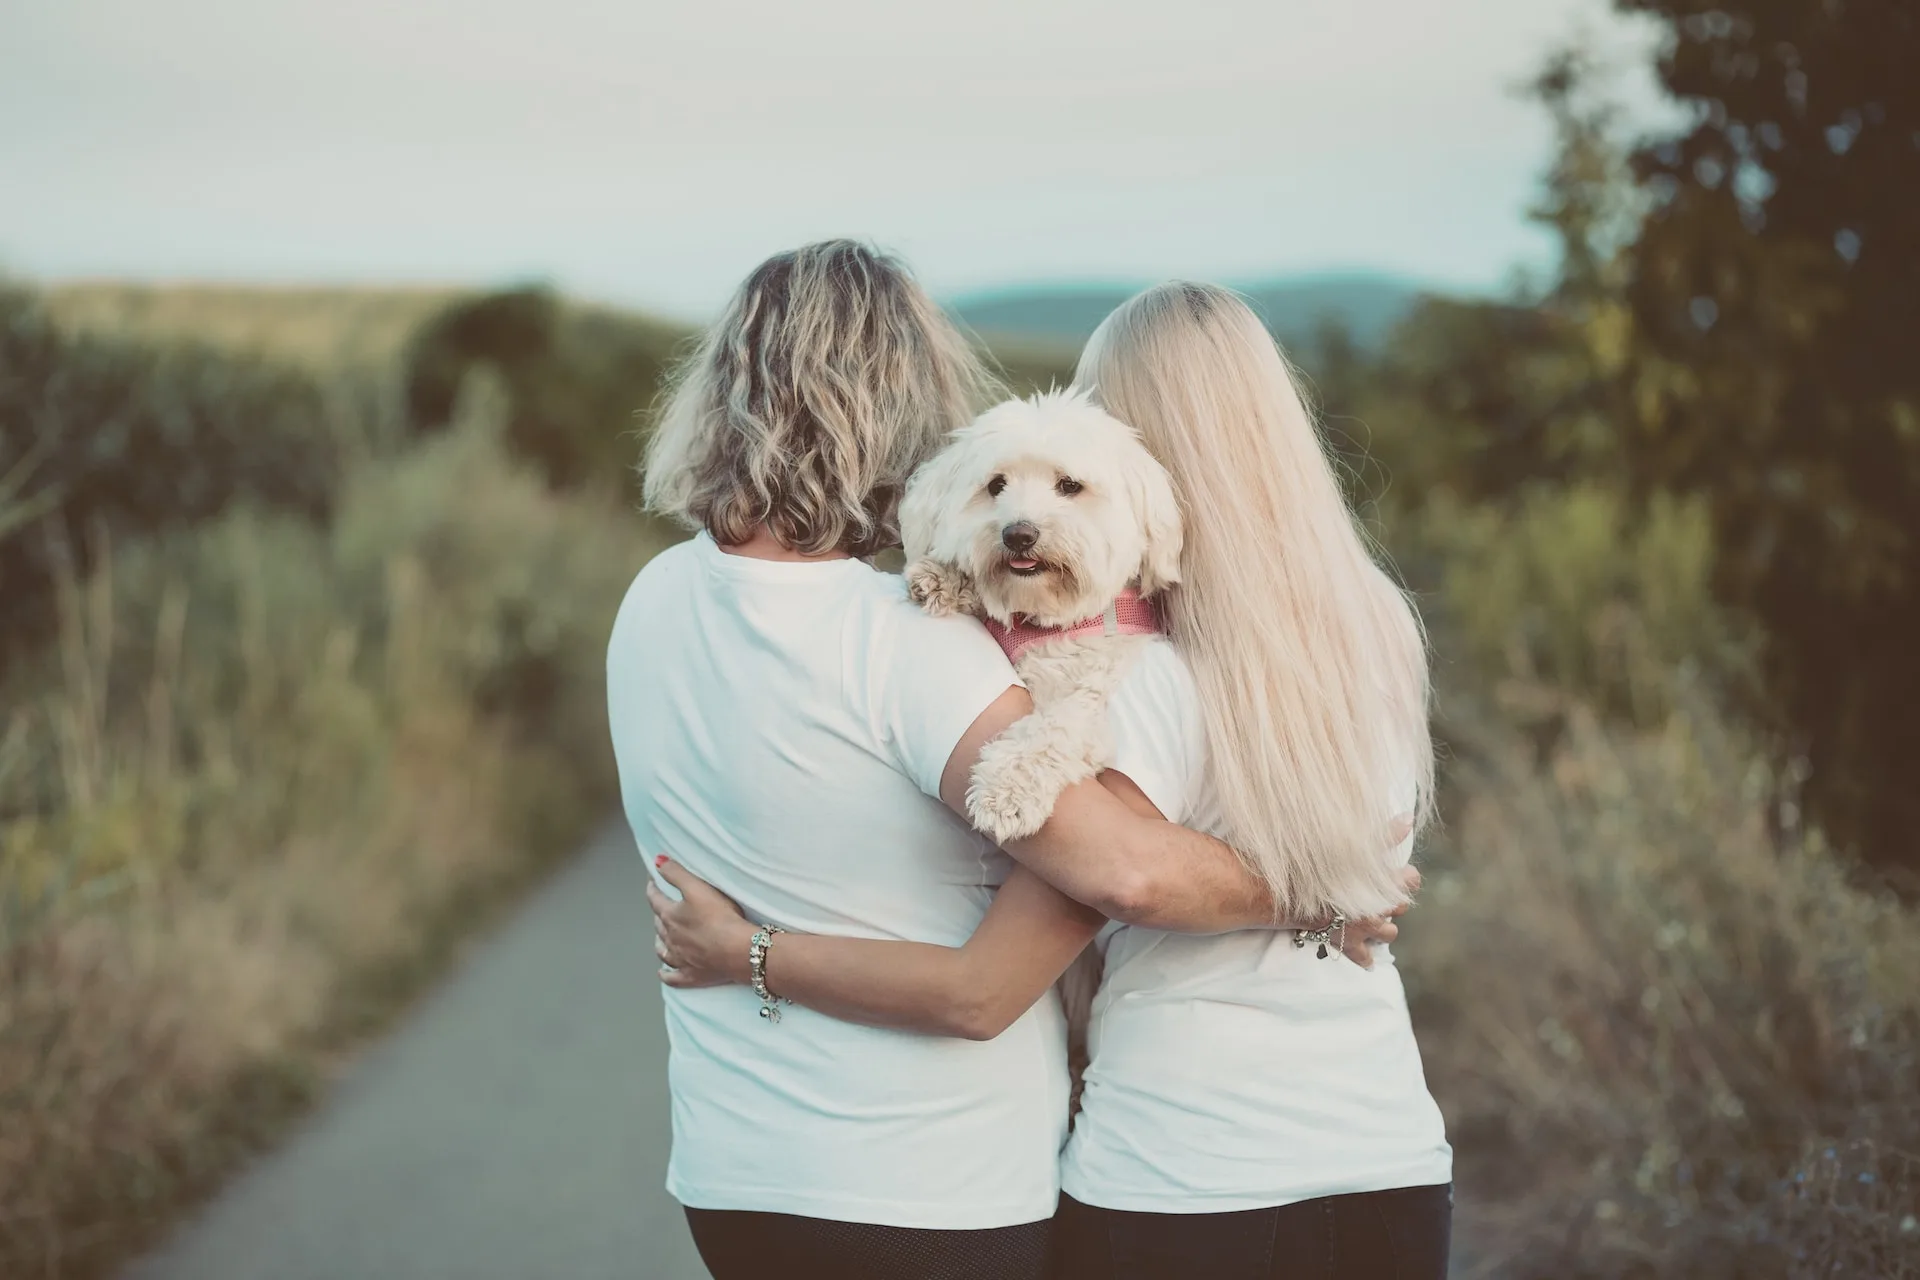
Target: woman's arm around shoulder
(1129,864)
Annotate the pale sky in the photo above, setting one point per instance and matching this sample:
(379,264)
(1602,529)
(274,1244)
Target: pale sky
(651,153)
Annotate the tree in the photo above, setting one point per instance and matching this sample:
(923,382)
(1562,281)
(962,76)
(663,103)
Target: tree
(1775,295)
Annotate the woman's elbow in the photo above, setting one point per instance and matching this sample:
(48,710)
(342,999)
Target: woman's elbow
(981,1029)
(980,1014)
(981,1019)
(1132,895)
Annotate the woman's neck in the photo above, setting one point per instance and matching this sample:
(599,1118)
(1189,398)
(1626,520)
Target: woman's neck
(764,546)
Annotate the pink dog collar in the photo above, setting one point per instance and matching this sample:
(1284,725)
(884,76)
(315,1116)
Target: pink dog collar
(1128,614)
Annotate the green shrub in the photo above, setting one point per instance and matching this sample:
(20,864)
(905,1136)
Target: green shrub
(1575,589)
(577,379)
(103,440)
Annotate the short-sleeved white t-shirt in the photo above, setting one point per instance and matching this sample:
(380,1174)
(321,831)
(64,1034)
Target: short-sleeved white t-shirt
(1236,1071)
(780,730)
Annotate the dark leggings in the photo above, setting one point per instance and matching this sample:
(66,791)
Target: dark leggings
(1377,1235)
(738,1245)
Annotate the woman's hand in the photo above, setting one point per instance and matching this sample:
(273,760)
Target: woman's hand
(702,940)
(1359,937)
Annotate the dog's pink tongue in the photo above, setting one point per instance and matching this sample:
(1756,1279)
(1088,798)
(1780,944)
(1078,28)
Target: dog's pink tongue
(1023,563)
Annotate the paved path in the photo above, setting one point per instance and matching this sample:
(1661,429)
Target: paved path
(515,1128)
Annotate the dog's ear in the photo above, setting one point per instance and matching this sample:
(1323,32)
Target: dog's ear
(928,498)
(1158,514)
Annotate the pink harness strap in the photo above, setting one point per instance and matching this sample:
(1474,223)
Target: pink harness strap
(1128,614)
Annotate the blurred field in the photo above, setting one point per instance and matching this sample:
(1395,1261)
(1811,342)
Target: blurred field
(266,760)
(307,592)
(304,593)
(320,328)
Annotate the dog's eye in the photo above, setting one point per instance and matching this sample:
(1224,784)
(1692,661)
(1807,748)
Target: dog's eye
(995,485)
(1067,486)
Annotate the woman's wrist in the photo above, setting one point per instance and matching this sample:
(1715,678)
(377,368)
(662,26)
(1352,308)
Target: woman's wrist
(736,963)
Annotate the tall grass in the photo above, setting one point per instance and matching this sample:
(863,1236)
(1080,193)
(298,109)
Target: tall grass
(1674,1033)
(1671,1038)
(266,775)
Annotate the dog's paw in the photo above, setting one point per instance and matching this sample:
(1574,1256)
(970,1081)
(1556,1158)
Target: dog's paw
(940,589)
(1022,772)
(1006,809)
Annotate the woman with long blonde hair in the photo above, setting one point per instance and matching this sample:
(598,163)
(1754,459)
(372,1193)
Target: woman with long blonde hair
(790,727)
(1252,1107)
(1246,1104)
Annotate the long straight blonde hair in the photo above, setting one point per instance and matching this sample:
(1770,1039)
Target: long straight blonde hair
(1311,663)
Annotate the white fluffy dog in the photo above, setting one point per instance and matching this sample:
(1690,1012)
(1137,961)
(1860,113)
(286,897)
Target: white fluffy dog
(1049,519)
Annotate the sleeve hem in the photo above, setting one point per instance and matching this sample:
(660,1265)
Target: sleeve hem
(1154,785)
(987,691)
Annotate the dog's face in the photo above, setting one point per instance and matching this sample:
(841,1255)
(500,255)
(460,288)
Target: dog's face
(1051,506)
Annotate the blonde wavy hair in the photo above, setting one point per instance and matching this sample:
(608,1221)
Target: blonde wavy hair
(830,377)
(1311,663)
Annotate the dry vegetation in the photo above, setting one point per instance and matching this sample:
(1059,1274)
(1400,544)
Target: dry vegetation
(264,775)
(1674,1033)
(1670,1039)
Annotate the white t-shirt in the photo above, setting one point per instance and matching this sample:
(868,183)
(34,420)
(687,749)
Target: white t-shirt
(781,729)
(1237,1071)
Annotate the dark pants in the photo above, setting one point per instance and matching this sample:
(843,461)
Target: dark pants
(1379,1235)
(778,1246)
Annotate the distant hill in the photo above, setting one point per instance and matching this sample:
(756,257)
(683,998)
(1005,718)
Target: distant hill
(1368,304)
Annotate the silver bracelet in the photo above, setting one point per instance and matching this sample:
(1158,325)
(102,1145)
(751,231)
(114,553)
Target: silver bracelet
(1324,936)
(757,971)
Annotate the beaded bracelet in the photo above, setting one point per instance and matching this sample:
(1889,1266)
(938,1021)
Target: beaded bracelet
(757,970)
(1323,936)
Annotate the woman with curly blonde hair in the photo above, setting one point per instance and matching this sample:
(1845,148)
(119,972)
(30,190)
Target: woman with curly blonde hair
(790,728)
(1290,1132)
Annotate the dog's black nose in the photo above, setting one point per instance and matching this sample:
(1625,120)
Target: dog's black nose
(1019,536)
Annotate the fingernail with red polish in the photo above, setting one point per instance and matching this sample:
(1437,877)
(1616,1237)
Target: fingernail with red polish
(660,861)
